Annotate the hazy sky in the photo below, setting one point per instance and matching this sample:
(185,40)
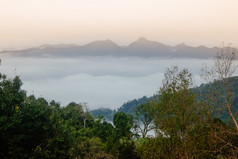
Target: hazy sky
(25,23)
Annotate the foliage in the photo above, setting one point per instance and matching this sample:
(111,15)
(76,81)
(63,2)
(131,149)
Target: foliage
(11,103)
(89,149)
(177,114)
(123,124)
(103,130)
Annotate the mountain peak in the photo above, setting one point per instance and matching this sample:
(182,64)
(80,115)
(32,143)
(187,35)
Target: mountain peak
(142,39)
(181,45)
(144,43)
(102,43)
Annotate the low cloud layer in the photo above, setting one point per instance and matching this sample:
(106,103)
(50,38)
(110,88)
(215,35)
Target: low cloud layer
(99,81)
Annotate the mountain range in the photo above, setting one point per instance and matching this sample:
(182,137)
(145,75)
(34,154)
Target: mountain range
(141,48)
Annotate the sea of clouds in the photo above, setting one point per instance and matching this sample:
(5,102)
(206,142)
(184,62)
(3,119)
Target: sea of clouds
(100,81)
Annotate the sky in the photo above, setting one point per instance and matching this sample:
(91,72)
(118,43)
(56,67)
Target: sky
(26,23)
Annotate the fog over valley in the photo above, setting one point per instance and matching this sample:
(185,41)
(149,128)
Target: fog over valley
(101,73)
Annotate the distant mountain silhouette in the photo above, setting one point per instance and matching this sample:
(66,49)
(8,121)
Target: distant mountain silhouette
(140,48)
(100,48)
(145,48)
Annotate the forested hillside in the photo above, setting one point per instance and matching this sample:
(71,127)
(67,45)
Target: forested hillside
(204,91)
(128,108)
(214,92)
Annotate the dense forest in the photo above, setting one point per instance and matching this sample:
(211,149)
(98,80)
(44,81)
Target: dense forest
(188,123)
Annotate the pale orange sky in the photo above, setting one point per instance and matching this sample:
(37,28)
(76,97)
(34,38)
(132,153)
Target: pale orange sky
(26,23)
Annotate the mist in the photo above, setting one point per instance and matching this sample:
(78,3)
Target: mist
(100,81)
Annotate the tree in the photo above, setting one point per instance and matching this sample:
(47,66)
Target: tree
(144,118)
(11,102)
(35,123)
(120,143)
(74,114)
(177,114)
(123,124)
(103,130)
(225,65)
(85,114)
(175,103)
(221,101)
(87,148)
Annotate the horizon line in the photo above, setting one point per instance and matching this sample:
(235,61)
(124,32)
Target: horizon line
(79,45)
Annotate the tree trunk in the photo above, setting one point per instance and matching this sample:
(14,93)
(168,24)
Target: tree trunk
(233,118)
